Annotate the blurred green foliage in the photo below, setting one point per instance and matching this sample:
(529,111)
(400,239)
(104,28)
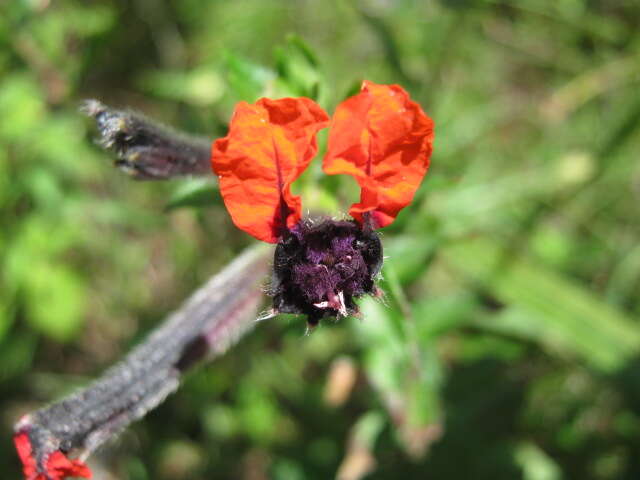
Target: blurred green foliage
(508,343)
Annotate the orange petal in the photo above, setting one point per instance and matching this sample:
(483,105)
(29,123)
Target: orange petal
(268,146)
(384,140)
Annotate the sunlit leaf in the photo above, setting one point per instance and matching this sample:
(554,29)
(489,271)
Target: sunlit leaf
(553,309)
(56,301)
(195,193)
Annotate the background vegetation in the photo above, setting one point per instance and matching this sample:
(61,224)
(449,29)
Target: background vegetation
(508,348)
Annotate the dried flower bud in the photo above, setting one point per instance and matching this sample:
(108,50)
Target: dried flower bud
(145,149)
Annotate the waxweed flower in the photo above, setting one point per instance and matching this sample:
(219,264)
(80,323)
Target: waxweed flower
(380,137)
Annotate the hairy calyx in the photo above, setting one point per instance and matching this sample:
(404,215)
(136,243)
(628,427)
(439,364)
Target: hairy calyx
(320,267)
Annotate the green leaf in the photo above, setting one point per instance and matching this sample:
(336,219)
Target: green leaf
(368,428)
(536,464)
(16,355)
(56,300)
(304,49)
(259,413)
(198,192)
(201,86)
(6,317)
(546,307)
(408,255)
(21,107)
(405,373)
(438,316)
(297,67)
(90,21)
(248,80)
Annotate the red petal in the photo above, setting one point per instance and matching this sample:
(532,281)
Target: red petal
(268,146)
(58,466)
(23,446)
(384,140)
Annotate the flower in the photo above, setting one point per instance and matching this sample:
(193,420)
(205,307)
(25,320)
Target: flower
(51,466)
(379,136)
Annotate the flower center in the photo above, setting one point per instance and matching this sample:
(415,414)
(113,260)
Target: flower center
(320,267)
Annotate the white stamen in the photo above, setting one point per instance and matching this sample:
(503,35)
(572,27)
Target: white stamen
(342,309)
(266,315)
